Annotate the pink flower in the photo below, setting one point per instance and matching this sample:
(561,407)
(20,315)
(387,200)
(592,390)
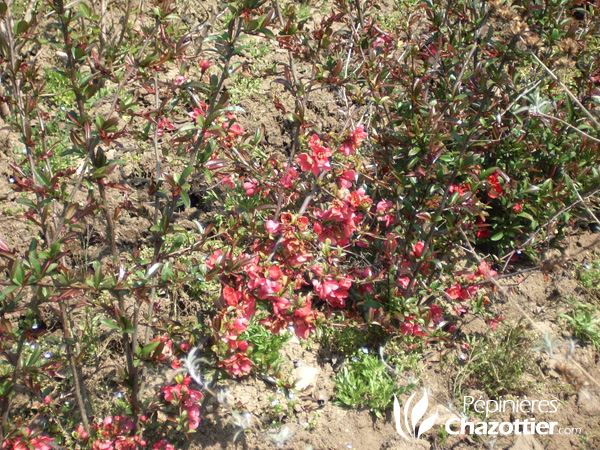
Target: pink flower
(417,250)
(347,148)
(287,180)
(404,282)
(170,393)
(280,305)
(485,270)
(201,111)
(305,161)
(204,66)
(272,226)
(240,325)
(234,129)
(193,416)
(275,272)
(167,347)
(179,81)
(493,323)
(163,445)
(359,199)
(237,366)
(103,445)
(333,291)
(318,161)
(358,136)
(81,432)
(251,187)
(228,181)
(346,179)
(384,205)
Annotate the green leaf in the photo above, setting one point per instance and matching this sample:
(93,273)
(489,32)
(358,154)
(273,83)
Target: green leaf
(186,173)
(110,324)
(497,236)
(148,349)
(40,178)
(268,33)
(19,275)
(186,199)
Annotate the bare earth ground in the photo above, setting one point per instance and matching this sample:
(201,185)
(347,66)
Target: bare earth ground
(571,374)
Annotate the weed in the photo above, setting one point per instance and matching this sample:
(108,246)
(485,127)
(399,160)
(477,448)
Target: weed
(497,362)
(266,347)
(585,323)
(589,276)
(243,87)
(365,381)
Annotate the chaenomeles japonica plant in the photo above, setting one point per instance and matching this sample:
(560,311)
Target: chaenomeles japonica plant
(77,257)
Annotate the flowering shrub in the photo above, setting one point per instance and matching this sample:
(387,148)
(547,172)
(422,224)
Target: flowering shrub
(444,142)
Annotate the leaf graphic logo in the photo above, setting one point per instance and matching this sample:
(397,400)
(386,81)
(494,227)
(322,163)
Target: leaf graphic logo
(417,414)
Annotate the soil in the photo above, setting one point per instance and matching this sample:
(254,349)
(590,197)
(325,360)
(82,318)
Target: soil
(311,417)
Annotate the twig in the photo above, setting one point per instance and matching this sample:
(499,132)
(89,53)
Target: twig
(565,88)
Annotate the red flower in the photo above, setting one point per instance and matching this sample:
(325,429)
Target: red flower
(411,328)
(404,282)
(204,66)
(231,296)
(318,161)
(333,291)
(193,416)
(251,187)
(200,111)
(275,272)
(485,270)
(417,250)
(237,366)
(493,323)
(518,207)
(272,226)
(496,188)
(163,445)
(454,292)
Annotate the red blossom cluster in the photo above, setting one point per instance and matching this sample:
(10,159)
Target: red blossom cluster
(28,441)
(117,433)
(318,160)
(468,290)
(186,399)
